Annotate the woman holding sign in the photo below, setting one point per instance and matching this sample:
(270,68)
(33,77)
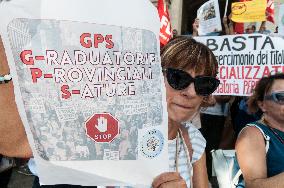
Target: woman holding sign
(189,69)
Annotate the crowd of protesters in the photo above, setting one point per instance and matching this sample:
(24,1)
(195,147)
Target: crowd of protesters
(221,120)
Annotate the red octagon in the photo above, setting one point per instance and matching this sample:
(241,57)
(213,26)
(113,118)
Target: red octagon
(102,127)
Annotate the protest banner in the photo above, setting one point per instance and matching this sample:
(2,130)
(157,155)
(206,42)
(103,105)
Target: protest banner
(73,72)
(244,59)
(249,11)
(209,18)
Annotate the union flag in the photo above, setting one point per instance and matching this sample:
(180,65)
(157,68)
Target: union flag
(165,27)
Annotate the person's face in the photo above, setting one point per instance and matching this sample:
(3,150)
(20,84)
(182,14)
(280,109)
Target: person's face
(262,28)
(250,30)
(182,104)
(271,108)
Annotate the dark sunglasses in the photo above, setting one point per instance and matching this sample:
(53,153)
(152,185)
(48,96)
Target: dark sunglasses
(179,80)
(277,97)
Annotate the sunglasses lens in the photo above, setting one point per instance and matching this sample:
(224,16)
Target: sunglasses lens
(280,97)
(178,79)
(206,85)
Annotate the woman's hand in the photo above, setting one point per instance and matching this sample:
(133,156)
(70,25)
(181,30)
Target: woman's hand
(169,180)
(195,26)
(208,101)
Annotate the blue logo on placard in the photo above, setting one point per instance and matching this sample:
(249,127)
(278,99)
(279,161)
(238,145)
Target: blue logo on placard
(152,143)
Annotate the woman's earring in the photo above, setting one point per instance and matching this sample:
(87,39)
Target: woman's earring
(205,99)
(211,101)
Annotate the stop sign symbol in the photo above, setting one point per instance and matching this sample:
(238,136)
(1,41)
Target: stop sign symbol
(102,127)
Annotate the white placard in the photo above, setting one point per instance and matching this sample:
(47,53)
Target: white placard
(76,67)
(209,18)
(244,59)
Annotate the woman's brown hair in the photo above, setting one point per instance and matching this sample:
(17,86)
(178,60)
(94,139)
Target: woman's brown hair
(262,88)
(184,52)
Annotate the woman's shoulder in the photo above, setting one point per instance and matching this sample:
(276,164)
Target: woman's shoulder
(253,130)
(198,143)
(195,133)
(250,137)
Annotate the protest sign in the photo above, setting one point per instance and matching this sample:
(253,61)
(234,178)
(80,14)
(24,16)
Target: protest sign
(244,59)
(209,18)
(87,79)
(249,11)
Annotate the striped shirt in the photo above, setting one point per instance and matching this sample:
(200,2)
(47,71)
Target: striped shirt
(198,145)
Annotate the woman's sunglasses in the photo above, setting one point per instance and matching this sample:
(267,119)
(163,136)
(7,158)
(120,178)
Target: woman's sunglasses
(179,80)
(277,97)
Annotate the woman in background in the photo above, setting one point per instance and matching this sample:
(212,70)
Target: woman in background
(260,168)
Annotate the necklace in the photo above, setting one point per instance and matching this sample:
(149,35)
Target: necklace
(272,130)
(178,149)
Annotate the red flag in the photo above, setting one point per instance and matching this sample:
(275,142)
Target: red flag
(270,11)
(165,27)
